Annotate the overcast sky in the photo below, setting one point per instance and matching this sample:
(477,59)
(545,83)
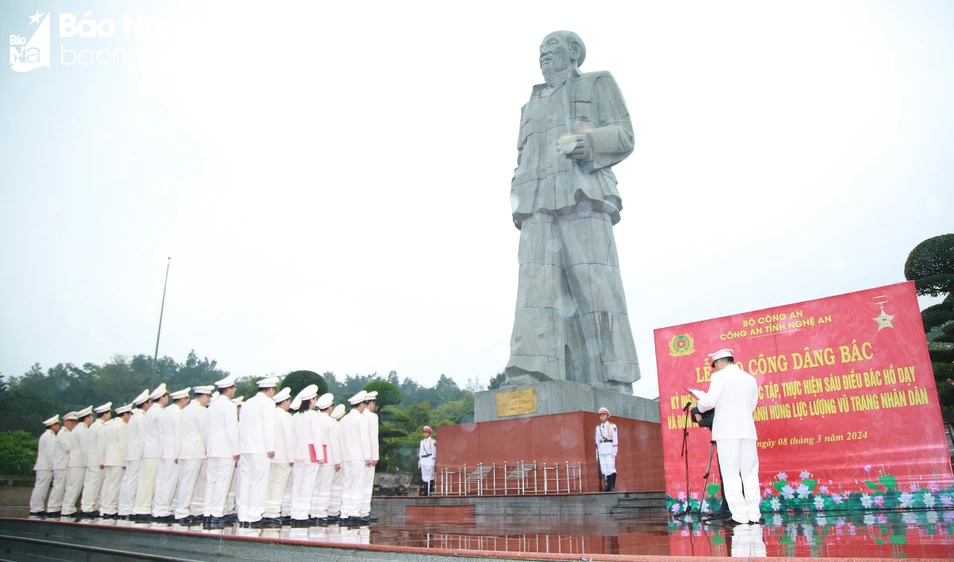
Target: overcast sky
(333,184)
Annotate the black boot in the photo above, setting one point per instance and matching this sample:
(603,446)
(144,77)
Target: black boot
(611,483)
(426,489)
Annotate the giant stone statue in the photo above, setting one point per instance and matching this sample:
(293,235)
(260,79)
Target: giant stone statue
(571,321)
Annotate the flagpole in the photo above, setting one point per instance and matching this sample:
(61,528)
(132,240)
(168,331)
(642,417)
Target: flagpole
(155,359)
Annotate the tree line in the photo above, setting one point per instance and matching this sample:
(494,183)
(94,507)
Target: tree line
(405,406)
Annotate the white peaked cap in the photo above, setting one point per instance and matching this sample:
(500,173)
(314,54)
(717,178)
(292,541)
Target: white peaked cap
(268,382)
(357,398)
(428,429)
(54,420)
(159,392)
(373,395)
(605,411)
(84,412)
(327,399)
(215,395)
(141,399)
(124,409)
(227,382)
(104,408)
(70,416)
(721,354)
(207,389)
(179,394)
(238,401)
(338,412)
(282,395)
(308,393)
(295,404)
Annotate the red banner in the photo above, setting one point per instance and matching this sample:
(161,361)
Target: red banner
(848,415)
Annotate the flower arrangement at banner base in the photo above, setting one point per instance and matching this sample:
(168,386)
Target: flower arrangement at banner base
(806,495)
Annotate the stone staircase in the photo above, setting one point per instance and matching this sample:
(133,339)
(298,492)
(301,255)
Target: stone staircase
(643,503)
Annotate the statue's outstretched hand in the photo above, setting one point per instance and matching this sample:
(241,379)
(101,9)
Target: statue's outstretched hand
(575,147)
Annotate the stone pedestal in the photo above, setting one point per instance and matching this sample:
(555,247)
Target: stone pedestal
(562,397)
(552,440)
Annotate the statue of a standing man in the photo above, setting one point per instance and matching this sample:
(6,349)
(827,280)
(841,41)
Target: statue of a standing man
(571,321)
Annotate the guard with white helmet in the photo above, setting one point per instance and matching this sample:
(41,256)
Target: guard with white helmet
(78,459)
(607,445)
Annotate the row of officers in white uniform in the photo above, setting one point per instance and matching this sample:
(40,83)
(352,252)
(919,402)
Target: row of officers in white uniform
(213,460)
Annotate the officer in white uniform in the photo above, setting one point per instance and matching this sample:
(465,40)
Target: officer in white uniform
(151,450)
(134,437)
(426,460)
(734,395)
(61,468)
(370,405)
(223,452)
(607,445)
(190,491)
(283,461)
(356,458)
(230,515)
(257,421)
(78,458)
(116,435)
(305,471)
(43,467)
(95,461)
(168,476)
(321,499)
(334,506)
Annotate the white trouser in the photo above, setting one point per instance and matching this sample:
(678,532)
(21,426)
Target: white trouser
(59,489)
(189,470)
(128,488)
(277,484)
(287,498)
(218,479)
(334,506)
(352,491)
(92,487)
(368,490)
(427,470)
(321,498)
(112,483)
(305,476)
(233,490)
(198,494)
(253,486)
(739,462)
(74,487)
(166,481)
(38,500)
(147,486)
(608,464)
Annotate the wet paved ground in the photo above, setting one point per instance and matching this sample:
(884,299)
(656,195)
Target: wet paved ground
(912,534)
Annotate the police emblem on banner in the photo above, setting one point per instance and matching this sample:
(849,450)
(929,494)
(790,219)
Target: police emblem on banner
(681,345)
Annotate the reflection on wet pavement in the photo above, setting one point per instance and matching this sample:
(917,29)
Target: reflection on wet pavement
(910,534)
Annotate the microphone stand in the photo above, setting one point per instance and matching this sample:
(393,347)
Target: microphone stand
(684,453)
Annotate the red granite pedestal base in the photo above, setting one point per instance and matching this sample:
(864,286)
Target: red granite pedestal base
(553,440)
